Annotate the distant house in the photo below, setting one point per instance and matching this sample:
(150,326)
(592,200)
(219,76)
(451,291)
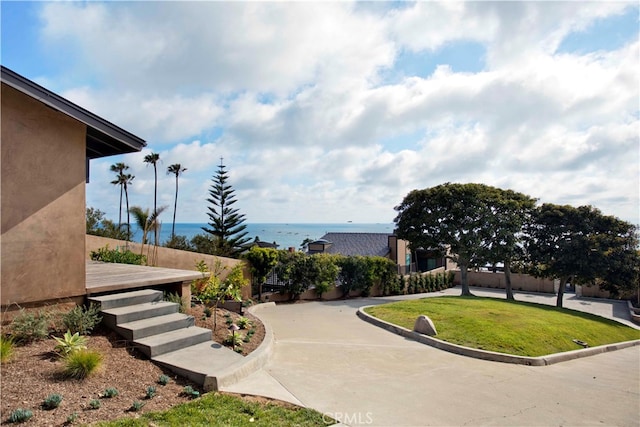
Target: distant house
(377,244)
(259,243)
(47,143)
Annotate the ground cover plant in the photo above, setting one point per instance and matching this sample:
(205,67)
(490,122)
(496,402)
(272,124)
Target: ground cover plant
(228,410)
(503,326)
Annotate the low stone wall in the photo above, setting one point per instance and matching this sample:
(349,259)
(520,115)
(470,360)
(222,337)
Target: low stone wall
(170,258)
(519,282)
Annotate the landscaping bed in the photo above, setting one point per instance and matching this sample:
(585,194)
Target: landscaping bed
(35,372)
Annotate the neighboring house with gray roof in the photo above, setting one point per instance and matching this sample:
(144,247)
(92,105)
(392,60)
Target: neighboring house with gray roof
(377,244)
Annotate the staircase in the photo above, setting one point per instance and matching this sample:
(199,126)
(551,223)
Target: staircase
(169,338)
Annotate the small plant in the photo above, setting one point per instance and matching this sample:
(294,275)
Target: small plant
(234,340)
(82,363)
(207,312)
(243,323)
(70,343)
(163,380)
(29,326)
(229,321)
(136,406)
(94,404)
(190,392)
(82,319)
(175,298)
(151,391)
(20,415)
(115,255)
(110,392)
(72,418)
(6,349)
(247,338)
(52,401)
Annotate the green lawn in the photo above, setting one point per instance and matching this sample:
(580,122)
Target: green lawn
(518,328)
(215,409)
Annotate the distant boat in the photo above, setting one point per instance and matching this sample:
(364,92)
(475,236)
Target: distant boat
(349,221)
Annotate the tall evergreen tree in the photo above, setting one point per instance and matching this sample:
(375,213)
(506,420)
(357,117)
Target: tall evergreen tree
(177,170)
(226,224)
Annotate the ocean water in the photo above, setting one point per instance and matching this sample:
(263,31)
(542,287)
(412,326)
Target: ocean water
(285,235)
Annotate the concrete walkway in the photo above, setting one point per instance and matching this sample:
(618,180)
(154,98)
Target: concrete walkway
(326,358)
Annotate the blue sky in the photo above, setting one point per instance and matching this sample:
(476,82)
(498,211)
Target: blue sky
(332,112)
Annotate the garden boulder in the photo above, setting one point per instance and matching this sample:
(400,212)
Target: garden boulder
(424,325)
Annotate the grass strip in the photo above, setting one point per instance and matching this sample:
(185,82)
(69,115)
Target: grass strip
(217,409)
(512,327)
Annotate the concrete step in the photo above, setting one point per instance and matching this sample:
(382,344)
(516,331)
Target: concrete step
(127,298)
(201,363)
(154,325)
(116,316)
(166,342)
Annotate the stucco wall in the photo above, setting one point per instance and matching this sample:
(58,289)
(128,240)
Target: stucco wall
(43,202)
(519,282)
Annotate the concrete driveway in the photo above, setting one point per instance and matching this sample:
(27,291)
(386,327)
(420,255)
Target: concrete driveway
(326,358)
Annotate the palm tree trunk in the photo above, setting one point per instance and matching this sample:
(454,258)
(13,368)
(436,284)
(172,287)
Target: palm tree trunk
(155,200)
(120,212)
(126,196)
(175,207)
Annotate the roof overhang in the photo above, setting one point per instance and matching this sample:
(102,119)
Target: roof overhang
(103,137)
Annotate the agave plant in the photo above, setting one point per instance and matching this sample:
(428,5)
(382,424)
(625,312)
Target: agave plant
(70,343)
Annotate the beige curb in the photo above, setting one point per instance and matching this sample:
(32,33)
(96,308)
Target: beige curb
(249,364)
(491,355)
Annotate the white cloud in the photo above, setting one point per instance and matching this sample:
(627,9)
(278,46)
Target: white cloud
(291,95)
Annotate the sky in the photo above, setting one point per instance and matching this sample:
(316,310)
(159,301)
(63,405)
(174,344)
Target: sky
(333,111)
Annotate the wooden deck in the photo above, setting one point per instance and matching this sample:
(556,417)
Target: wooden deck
(108,277)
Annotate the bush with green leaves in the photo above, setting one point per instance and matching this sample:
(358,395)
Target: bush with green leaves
(136,406)
(151,391)
(82,363)
(190,392)
(243,323)
(29,326)
(70,343)
(118,256)
(72,418)
(20,415)
(233,340)
(52,401)
(177,299)
(94,404)
(110,392)
(82,319)
(163,379)
(6,349)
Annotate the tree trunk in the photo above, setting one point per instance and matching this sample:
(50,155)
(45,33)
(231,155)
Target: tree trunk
(464,282)
(563,282)
(507,279)
(126,196)
(175,208)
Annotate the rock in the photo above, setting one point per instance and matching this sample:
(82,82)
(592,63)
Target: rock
(424,325)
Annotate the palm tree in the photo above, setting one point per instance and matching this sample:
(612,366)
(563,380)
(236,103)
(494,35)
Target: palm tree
(147,222)
(119,169)
(154,158)
(126,181)
(175,169)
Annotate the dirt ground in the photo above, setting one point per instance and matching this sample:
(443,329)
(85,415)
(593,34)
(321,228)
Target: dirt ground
(34,373)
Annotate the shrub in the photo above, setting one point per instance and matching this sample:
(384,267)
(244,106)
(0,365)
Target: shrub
(94,404)
(243,323)
(115,255)
(136,406)
(70,343)
(72,418)
(207,312)
(151,391)
(175,298)
(110,392)
(29,326)
(233,340)
(190,392)
(163,380)
(52,401)
(20,415)
(82,363)
(6,349)
(82,319)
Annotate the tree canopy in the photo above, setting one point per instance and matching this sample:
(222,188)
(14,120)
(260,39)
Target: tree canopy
(472,224)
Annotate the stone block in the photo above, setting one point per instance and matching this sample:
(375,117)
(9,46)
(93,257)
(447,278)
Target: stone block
(424,325)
